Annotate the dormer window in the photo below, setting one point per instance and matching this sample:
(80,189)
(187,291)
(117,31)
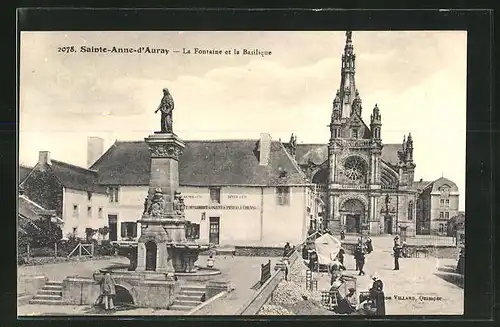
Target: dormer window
(355,133)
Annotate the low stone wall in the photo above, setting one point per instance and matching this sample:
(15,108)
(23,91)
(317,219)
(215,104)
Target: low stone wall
(258,251)
(265,291)
(28,286)
(146,290)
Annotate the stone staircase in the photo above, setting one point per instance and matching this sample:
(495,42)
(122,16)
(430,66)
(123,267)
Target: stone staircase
(189,297)
(50,293)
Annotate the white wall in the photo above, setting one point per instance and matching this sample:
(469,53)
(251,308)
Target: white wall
(248,215)
(82,221)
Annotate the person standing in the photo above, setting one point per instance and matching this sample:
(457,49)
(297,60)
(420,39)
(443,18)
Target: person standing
(377,295)
(108,290)
(369,245)
(286,250)
(340,256)
(359,256)
(397,254)
(342,235)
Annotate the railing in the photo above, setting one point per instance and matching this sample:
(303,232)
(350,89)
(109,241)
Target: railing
(352,186)
(431,240)
(265,274)
(388,187)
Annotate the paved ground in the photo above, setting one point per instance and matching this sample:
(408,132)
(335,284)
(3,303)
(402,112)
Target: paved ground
(413,290)
(243,272)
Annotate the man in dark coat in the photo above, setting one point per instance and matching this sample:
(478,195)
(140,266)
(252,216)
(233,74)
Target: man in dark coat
(397,254)
(286,250)
(359,256)
(377,295)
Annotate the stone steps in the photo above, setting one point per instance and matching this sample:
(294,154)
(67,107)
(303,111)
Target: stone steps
(190,296)
(50,293)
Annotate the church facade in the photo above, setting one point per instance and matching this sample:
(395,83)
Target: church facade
(368,186)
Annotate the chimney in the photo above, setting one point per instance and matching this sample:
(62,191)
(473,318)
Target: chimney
(264,149)
(95,149)
(44,158)
(421,180)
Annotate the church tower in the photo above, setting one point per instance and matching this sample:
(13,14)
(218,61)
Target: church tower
(354,152)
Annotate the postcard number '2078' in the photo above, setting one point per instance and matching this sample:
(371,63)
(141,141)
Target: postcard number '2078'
(66,49)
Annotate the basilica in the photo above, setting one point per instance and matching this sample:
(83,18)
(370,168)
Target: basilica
(366,185)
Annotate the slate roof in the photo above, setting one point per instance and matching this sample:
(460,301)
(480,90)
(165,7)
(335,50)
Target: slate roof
(76,177)
(31,210)
(390,153)
(23,172)
(318,153)
(441,181)
(420,185)
(203,163)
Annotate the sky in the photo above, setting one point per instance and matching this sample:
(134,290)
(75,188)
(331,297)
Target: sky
(417,79)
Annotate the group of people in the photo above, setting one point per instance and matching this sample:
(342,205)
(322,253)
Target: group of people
(361,250)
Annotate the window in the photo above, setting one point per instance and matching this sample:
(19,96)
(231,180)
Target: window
(74,231)
(441,215)
(89,212)
(447,215)
(355,133)
(89,196)
(441,202)
(100,213)
(128,229)
(447,202)
(113,194)
(215,195)
(441,228)
(75,210)
(410,210)
(283,195)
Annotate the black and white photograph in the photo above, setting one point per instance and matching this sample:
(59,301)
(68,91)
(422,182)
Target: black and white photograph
(242,173)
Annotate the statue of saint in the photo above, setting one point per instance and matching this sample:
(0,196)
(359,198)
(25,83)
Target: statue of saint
(166,107)
(387,202)
(157,206)
(178,204)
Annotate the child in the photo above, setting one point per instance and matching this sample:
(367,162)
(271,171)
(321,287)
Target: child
(210,261)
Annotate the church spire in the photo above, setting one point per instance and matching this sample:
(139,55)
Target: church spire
(348,89)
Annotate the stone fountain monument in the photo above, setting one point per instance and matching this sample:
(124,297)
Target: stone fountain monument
(162,251)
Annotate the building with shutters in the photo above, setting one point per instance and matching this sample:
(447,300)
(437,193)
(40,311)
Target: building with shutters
(237,192)
(72,192)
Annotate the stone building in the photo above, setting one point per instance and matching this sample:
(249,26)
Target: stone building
(366,184)
(240,192)
(70,191)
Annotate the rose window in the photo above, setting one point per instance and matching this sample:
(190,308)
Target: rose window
(354,169)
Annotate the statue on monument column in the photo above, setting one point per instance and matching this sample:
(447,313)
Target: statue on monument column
(179,205)
(157,203)
(166,107)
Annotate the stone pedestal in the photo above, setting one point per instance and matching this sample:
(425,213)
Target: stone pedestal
(160,224)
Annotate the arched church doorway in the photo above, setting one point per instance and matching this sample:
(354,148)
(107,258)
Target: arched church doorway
(151,256)
(353,211)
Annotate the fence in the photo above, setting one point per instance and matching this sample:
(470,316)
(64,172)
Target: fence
(265,274)
(431,240)
(87,248)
